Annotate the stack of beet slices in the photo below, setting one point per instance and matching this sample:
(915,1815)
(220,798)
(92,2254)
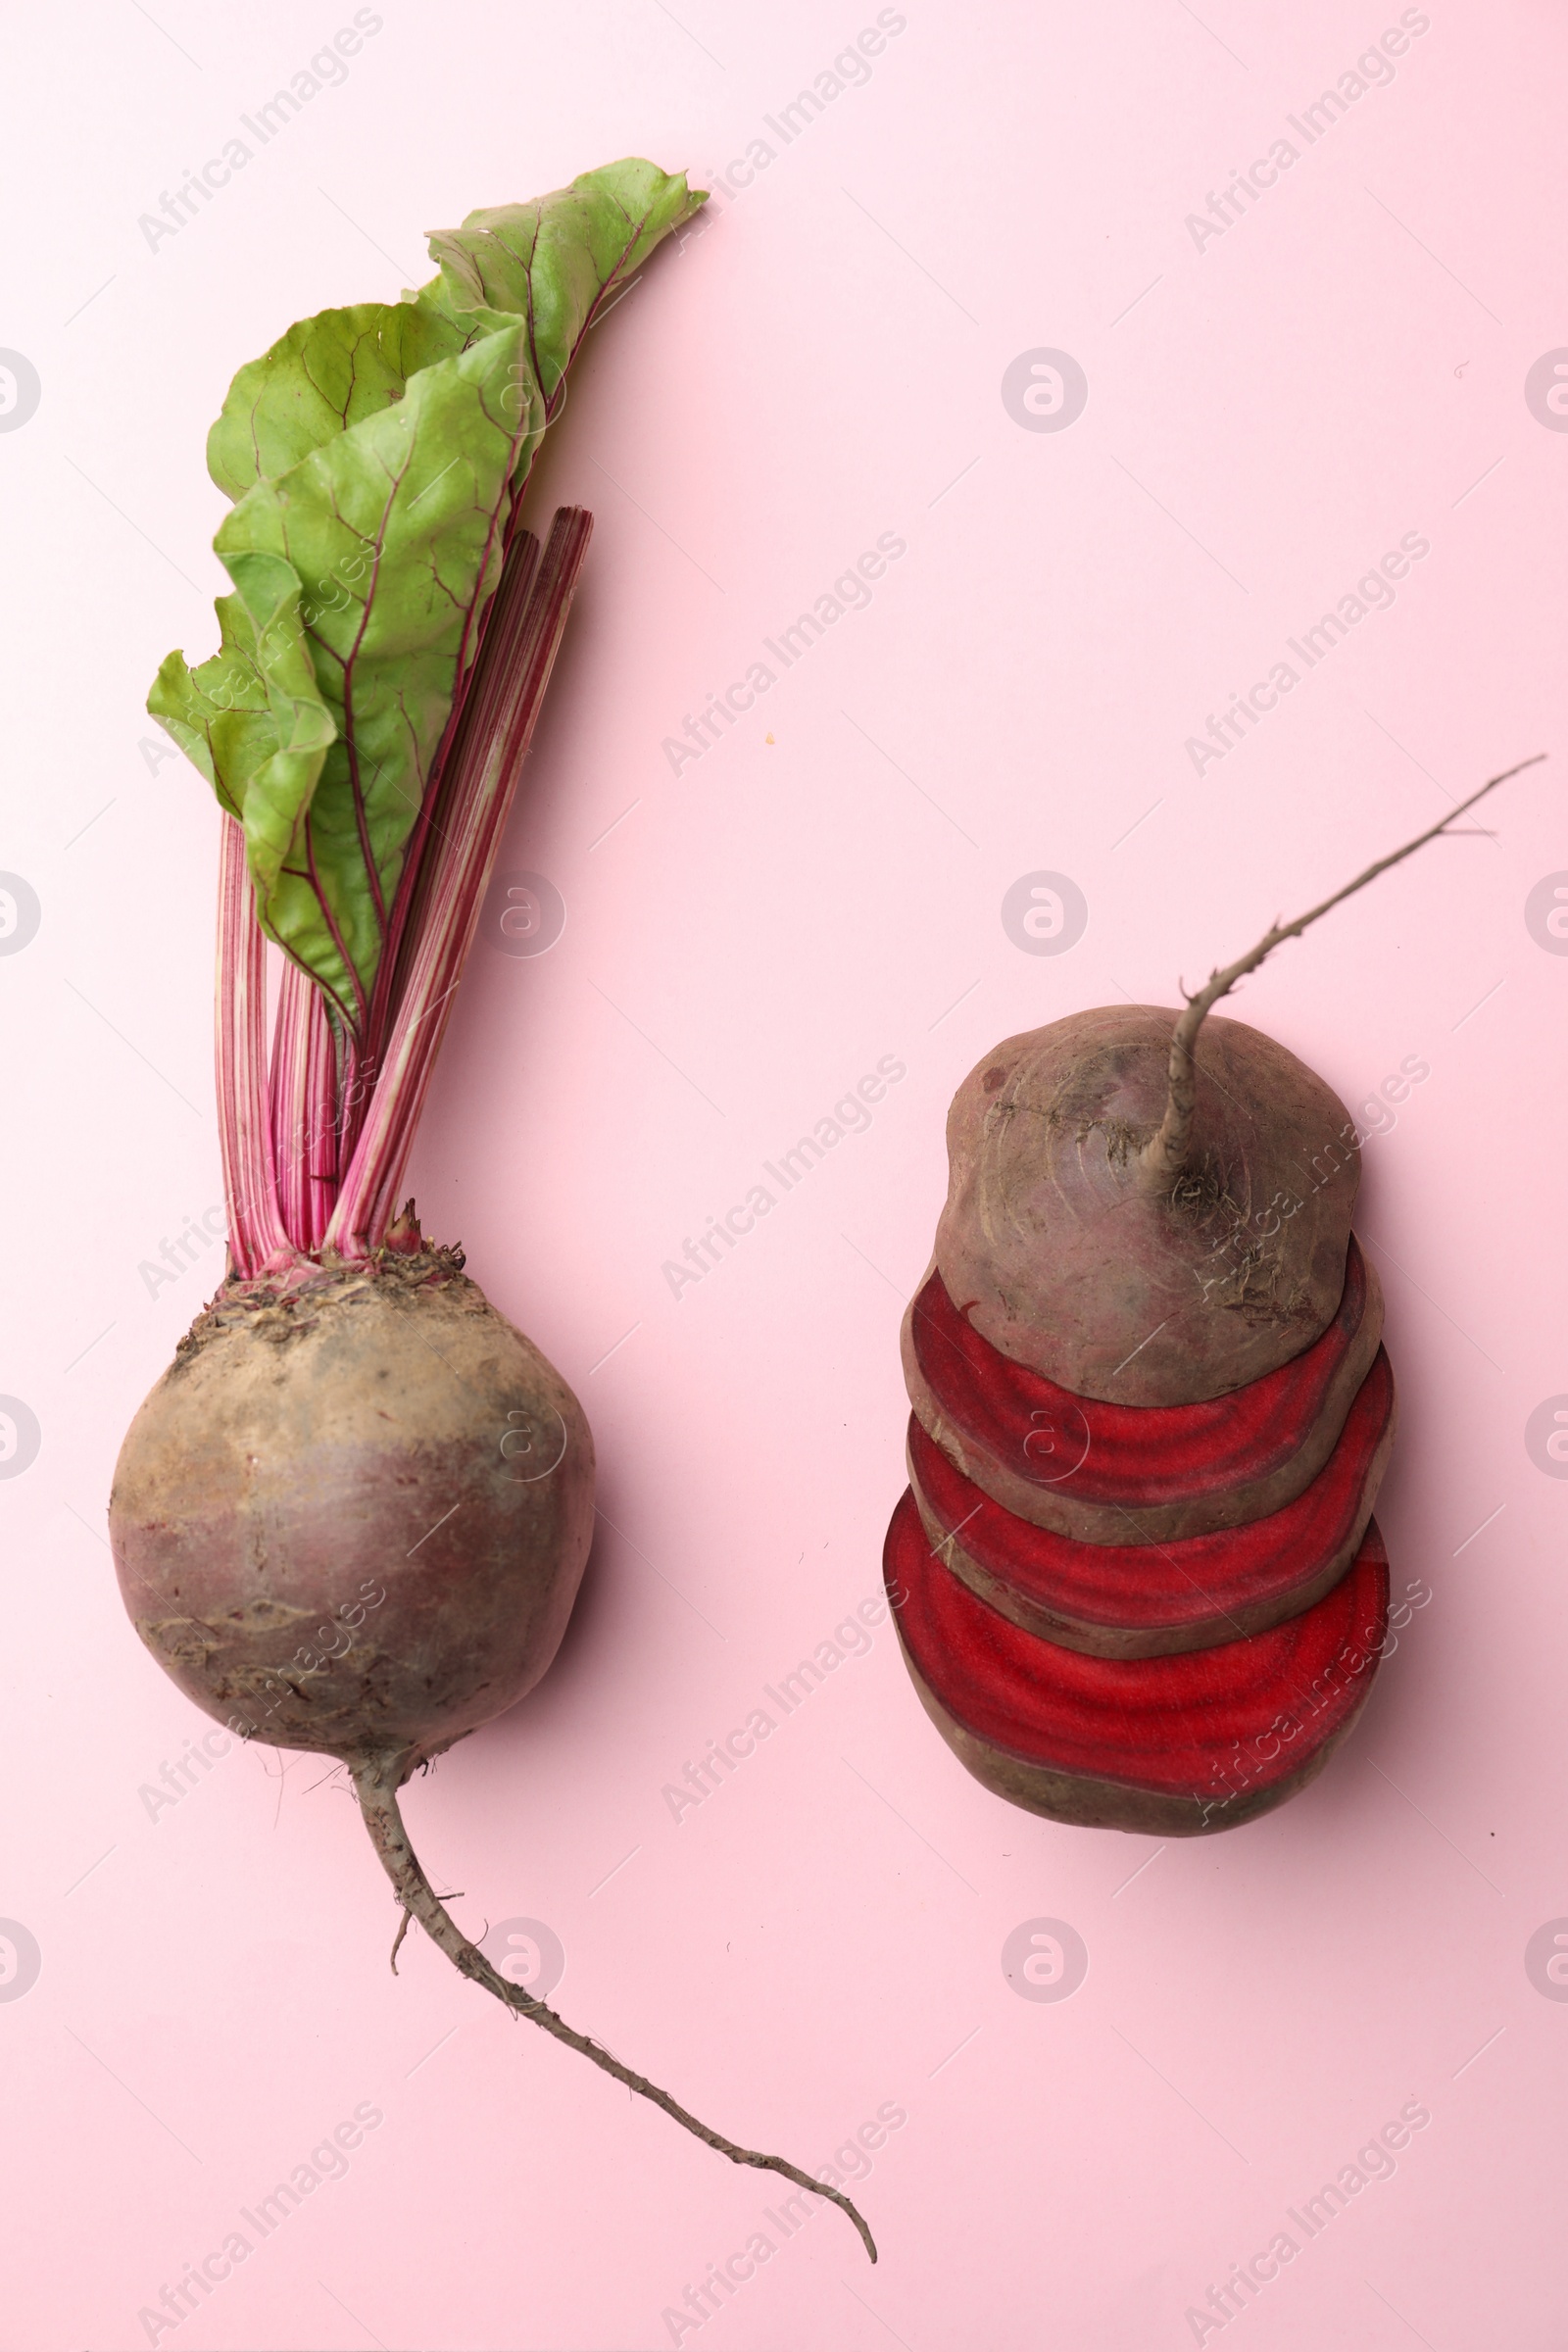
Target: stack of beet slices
(1124,1605)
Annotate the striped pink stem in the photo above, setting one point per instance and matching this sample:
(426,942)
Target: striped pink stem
(423,855)
(424,877)
(304,1109)
(519,653)
(258,1240)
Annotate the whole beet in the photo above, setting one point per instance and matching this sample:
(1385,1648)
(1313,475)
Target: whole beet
(353,1516)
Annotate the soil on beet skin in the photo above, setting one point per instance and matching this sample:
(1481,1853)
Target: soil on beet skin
(353,1514)
(1070,1260)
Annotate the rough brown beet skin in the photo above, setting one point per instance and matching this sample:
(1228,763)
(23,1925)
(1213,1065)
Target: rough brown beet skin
(383,1428)
(1070,1261)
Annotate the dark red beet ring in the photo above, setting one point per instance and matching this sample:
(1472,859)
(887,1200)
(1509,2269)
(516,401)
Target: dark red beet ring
(1129,1455)
(1162,1596)
(1213,1724)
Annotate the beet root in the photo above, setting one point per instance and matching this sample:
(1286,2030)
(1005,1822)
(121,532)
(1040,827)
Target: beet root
(352,1517)
(1168,1746)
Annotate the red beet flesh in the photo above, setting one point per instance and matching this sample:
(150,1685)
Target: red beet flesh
(1170,1746)
(1133,1600)
(1115,1473)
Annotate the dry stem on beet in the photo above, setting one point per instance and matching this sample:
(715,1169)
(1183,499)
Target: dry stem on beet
(1164,1155)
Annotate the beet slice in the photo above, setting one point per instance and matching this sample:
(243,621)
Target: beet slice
(1144,1601)
(1128,1453)
(1135,1474)
(1170,1746)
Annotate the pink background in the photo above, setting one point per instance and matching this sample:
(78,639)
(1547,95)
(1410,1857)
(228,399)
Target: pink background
(1266,415)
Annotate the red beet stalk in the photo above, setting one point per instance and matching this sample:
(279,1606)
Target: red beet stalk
(258,1240)
(488,754)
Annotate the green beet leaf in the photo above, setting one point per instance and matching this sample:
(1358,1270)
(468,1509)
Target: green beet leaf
(359,575)
(324,375)
(375,454)
(559,259)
